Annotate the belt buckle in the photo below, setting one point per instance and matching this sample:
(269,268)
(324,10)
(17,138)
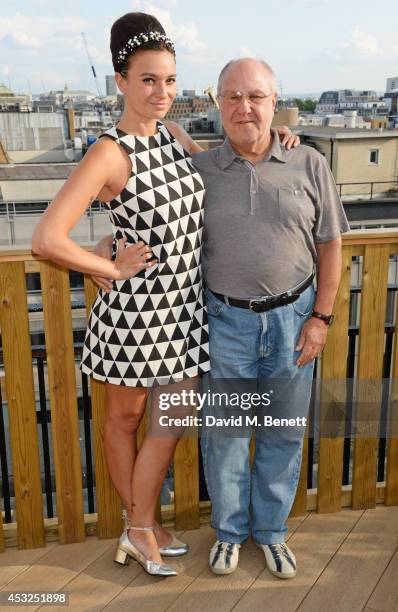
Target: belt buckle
(255,303)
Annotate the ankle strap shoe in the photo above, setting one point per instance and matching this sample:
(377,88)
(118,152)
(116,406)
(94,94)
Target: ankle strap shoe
(126,551)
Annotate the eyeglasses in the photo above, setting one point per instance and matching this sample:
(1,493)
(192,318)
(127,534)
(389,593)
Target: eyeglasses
(253,97)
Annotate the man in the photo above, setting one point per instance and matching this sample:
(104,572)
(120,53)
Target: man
(270,215)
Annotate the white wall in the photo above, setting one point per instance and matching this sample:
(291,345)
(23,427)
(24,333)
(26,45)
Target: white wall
(41,157)
(26,131)
(23,226)
(35,189)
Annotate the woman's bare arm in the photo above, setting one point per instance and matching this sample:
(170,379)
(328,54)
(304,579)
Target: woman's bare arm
(51,236)
(183,137)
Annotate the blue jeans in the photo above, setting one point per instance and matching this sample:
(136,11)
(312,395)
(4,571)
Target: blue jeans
(261,347)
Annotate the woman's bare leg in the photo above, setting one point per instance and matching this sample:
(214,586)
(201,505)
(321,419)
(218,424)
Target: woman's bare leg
(125,407)
(150,468)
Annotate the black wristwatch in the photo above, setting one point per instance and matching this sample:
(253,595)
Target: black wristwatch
(327,319)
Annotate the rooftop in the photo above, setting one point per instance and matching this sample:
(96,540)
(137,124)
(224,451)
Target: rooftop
(344,133)
(5,91)
(26,172)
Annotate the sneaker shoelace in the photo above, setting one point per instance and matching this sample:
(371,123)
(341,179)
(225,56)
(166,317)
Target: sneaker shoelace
(280,552)
(223,547)
(278,549)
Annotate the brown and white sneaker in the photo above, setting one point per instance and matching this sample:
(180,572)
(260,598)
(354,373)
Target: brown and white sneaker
(224,557)
(280,560)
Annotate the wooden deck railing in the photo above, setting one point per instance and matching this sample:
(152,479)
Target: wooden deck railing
(71,525)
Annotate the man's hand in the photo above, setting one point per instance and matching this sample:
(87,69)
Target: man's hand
(288,139)
(312,340)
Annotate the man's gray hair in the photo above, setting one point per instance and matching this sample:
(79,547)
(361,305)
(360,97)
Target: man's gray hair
(268,68)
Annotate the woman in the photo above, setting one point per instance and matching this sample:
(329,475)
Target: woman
(149,328)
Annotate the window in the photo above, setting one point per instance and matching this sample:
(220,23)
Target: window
(374,156)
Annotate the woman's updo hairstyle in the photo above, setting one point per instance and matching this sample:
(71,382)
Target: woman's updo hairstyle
(133,32)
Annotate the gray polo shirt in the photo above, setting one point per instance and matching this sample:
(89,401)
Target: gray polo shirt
(262,221)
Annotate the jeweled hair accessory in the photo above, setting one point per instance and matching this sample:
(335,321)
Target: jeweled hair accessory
(140,39)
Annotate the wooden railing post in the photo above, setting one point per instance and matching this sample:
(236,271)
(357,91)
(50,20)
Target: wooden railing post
(186,482)
(391,498)
(17,357)
(392,442)
(63,400)
(334,369)
(1,534)
(370,368)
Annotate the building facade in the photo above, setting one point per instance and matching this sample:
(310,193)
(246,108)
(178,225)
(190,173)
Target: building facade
(11,102)
(392,83)
(61,97)
(34,137)
(364,162)
(365,102)
(184,106)
(110,85)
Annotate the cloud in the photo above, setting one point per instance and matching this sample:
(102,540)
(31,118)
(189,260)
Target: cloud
(185,35)
(365,44)
(34,32)
(246,52)
(51,45)
(99,55)
(23,39)
(162,4)
(361,47)
(318,2)
(48,47)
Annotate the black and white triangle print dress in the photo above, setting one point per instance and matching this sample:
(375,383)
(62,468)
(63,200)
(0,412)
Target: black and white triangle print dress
(152,328)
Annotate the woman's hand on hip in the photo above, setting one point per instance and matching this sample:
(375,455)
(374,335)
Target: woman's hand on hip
(132,259)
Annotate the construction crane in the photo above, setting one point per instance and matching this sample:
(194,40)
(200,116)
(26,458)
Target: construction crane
(4,159)
(209,92)
(92,65)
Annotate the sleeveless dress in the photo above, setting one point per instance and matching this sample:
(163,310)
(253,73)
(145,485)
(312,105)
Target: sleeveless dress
(151,329)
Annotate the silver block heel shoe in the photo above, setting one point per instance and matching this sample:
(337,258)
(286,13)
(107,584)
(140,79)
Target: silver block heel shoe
(127,550)
(175,549)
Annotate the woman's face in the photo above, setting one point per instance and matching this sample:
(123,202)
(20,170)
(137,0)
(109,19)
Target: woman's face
(149,84)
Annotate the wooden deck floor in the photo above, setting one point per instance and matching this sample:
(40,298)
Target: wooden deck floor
(346,561)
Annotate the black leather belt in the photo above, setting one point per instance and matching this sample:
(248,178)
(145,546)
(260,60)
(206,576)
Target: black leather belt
(269,302)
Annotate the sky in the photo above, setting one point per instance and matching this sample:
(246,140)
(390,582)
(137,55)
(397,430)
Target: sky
(313,45)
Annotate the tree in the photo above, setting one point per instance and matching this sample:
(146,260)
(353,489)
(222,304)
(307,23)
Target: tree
(305,105)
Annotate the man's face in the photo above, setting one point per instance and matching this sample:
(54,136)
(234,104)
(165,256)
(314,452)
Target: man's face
(247,122)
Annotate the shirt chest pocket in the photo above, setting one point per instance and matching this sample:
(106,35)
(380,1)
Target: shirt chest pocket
(295,206)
